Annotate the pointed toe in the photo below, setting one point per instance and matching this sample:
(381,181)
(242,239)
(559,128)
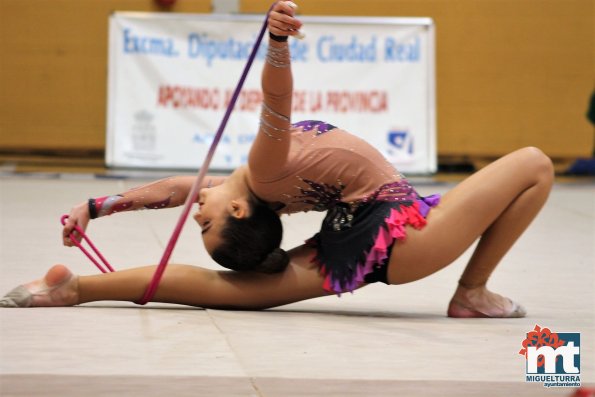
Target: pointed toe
(18,297)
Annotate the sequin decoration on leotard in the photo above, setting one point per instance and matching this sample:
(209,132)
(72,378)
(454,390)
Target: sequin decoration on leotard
(309,125)
(320,196)
(394,191)
(401,191)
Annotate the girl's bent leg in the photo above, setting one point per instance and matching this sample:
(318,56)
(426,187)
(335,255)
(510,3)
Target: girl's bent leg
(496,204)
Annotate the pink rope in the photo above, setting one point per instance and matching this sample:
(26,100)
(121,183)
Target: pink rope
(192,196)
(88,240)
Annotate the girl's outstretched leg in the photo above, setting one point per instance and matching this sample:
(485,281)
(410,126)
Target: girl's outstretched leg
(496,204)
(195,286)
(181,284)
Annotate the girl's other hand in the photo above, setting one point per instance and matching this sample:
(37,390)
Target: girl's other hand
(79,215)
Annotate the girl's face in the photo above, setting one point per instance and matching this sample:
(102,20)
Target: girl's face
(215,205)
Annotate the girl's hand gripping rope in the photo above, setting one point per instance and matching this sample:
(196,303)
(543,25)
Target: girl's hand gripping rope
(282,21)
(79,215)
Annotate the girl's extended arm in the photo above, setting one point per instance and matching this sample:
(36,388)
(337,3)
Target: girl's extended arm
(164,193)
(269,151)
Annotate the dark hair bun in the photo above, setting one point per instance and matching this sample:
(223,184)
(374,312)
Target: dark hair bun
(275,262)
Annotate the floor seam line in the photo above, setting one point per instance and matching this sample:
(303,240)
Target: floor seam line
(235,353)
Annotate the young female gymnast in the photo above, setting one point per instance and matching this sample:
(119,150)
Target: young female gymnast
(377,228)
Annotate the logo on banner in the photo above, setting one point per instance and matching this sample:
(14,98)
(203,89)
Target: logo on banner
(552,358)
(400,146)
(144,133)
(143,138)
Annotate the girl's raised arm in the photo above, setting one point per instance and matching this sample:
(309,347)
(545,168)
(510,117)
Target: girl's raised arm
(271,146)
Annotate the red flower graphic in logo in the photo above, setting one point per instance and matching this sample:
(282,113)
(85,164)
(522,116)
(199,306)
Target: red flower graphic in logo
(541,337)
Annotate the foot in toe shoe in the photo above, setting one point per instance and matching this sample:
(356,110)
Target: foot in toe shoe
(59,287)
(457,309)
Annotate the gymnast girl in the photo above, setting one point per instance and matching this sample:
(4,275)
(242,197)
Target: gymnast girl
(377,228)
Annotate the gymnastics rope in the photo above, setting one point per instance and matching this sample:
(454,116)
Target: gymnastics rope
(192,196)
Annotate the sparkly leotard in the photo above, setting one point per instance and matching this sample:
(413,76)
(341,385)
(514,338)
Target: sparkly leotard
(368,201)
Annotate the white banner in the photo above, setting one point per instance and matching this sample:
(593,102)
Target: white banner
(171,77)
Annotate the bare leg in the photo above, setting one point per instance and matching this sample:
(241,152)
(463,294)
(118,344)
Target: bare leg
(196,286)
(190,285)
(497,204)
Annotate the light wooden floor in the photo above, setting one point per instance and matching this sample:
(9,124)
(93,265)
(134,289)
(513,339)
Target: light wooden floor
(380,341)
